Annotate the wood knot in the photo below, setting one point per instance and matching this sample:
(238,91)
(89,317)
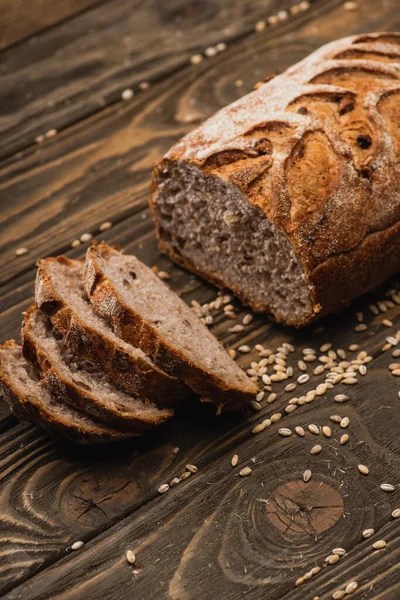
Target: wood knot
(299,508)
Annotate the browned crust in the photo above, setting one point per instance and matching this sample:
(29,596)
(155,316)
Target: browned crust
(333,195)
(133,374)
(65,391)
(131,327)
(26,409)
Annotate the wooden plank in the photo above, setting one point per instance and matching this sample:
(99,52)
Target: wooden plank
(218,534)
(100,168)
(20,19)
(58,470)
(76,68)
(37,471)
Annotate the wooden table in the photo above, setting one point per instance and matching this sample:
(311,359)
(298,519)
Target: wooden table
(75,154)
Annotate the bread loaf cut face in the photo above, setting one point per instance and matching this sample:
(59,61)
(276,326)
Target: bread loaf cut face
(213,229)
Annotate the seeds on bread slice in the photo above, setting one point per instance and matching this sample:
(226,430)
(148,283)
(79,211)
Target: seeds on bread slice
(59,292)
(30,401)
(76,382)
(145,312)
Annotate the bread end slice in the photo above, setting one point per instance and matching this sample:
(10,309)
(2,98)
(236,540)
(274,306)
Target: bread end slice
(29,400)
(74,381)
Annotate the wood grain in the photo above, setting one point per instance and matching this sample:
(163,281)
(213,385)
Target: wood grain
(101,167)
(218,531)
(76,68)
(81,478)
(20,19)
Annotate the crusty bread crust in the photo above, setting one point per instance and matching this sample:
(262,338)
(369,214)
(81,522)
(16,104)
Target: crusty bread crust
(31,410)
(317,148)
(137,375)
(133,328)
(67,392)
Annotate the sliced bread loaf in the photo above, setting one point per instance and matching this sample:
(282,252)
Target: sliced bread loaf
(30,401)
(59,292)
(145,312)
(74,381)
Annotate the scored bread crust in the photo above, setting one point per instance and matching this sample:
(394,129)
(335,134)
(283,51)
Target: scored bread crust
(34,411)
(132,327)
(137,375)
(317,149)
(64,389)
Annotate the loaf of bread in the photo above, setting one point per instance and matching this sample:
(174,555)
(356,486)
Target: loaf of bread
(290,196)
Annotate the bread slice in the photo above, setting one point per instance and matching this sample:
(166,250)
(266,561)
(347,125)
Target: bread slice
(76,382)
(30,401)
(145,312)
(59,292)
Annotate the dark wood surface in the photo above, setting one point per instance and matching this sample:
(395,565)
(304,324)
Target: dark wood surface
(215,534)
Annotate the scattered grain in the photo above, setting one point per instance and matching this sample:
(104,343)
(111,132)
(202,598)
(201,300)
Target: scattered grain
(192,468)
(350,380)
(367,533)
(163,488)
(247,319)
(313,429)
(258,428)
(363,469)
(254,405)
(327,431)
(316,449)
(290,387)
(379,544)
(21,251)
(276,417)
(360,327)
(77,545)
(299,430)
(332,559)
(341,398)
(338,595)
(307,475)
(127,94)
(244,349)
(387,487)
(351,587)
(86,237)
(285,431)
(174,482)
(339,551)
(345,422)
(196,59)
(300,580)
(106,225)
(185,475)
(335,418)
(245,472)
